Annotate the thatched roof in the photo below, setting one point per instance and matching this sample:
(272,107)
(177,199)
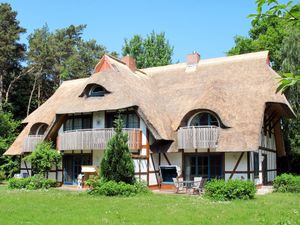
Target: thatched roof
(236,88)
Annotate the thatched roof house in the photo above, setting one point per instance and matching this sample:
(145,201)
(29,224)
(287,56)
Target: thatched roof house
(236,88)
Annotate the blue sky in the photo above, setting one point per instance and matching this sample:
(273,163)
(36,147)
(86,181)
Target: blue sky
(207,27)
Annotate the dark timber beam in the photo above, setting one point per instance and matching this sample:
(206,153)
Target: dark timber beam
(236,165)
(165,155)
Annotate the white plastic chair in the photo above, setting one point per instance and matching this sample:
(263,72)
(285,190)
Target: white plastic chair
(197,184)
(178,182)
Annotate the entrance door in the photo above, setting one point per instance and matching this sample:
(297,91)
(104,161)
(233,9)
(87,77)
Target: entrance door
(72,166)
(68,169)
(265,169)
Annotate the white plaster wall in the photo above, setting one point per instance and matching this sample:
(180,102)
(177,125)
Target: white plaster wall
(230,162)
(99,119)
(61,130)
(153,179)
(267,141)
(143,127)
(23,170)
(175,158)
(97,157)
(52,175)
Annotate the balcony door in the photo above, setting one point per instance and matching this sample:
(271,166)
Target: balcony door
(130,119)
(203,165)
(72,166)
(78,122)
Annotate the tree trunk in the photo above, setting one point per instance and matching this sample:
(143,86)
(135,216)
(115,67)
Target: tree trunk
(13,81)
(31,94)
(39,94)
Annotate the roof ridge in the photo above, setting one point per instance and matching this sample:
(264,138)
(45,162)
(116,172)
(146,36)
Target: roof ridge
(211,60)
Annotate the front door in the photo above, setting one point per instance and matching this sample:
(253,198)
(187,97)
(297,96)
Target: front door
(265,169)
(68,169)
(72,166)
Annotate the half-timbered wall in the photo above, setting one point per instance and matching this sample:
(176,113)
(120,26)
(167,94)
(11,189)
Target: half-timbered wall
(236,166)
(267,149)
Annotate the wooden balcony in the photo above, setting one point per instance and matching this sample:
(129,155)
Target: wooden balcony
(198,137)
(31,141)
(92,139)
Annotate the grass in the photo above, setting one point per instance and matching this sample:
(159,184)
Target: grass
(64,207)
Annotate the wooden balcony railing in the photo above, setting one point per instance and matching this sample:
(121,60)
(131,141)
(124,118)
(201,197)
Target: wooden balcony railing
(31,141)
(90,139)
(198,137)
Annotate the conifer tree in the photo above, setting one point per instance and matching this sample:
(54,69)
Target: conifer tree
(117,164)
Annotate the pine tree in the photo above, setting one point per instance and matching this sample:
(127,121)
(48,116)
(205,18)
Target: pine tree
(117,164)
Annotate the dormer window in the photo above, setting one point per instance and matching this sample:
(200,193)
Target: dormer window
(204,119)
(97,90)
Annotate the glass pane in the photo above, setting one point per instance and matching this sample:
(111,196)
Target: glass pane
(77,123)
(204,119)
(86,123)
(133,121)
(193,166)
(68,124)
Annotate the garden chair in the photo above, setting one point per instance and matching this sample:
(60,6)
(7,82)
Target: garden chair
(178,182)
(202,184)
(196,184)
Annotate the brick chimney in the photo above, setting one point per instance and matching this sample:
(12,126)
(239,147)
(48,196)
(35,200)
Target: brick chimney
(130,62)
(192,59)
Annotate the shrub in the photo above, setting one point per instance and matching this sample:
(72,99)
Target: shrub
(31,183)
(287,183)
(222,190)
(93,181)
(18,183)
(2,176)
(112,188)
(43,158)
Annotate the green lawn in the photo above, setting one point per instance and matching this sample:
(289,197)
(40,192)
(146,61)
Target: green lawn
(63,207)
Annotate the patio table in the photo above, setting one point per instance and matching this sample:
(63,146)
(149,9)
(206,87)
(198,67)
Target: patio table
(188,184)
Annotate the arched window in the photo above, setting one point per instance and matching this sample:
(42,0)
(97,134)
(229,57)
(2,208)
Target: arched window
(204,119)
(97,90)
(38,129)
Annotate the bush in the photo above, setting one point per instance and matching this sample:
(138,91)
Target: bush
(18,183)
(93,181)
(31,183)
(43,158)
(2,176)
(222,190)
(287,183)
(112,188)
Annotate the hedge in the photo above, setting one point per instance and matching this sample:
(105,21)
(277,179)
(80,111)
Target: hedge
(31,183)
(112,188)
(287,183)
(222,190)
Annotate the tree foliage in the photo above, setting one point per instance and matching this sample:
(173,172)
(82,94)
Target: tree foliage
(117,164)
(57,56)
(11,51)
(286,11)
(154,50)
(8,133)
(43,158)
(8,130)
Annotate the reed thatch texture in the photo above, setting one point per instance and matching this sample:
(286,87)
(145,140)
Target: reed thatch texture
(236,88)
